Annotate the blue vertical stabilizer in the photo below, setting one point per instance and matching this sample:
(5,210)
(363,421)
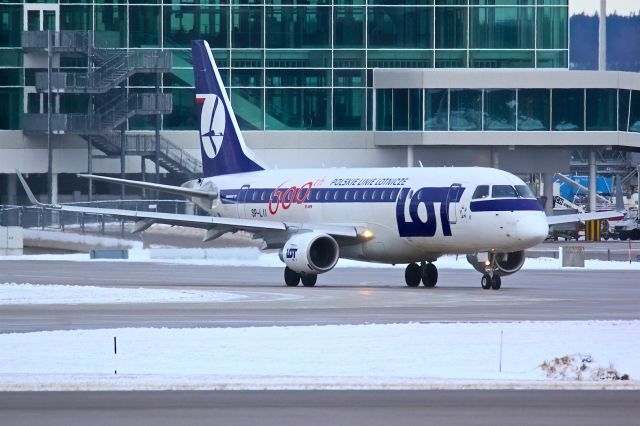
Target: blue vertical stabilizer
(223,149)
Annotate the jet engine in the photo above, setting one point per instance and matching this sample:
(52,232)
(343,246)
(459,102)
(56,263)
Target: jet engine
(503,263)
(310,253)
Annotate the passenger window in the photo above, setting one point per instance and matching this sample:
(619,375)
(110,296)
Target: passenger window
(336,195)
(383,195)
(263,196)
(356,195)
(365,196)
(524,191)
(346,195)
(394,194)
(503,191)
(482,191)
(318,194)
(254,195)
(374,197)
(327,194)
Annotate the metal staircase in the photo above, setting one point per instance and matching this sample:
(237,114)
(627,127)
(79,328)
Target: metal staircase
(111,106)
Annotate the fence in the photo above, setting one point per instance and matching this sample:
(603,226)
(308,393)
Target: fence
(38,217)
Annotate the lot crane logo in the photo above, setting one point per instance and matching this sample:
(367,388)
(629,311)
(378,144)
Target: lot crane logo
(212,123)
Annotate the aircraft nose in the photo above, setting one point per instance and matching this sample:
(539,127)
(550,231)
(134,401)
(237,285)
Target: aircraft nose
(532,229)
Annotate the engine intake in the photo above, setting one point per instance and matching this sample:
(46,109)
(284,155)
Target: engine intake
(504,264)
(310,253)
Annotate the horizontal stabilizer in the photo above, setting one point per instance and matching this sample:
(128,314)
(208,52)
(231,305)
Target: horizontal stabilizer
(581,217)
(178,190)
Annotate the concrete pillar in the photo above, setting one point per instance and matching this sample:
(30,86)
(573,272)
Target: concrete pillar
(547,192)
(592,180)
(410,157)
(495,159)
(12,189)
(602,39)
(54,188)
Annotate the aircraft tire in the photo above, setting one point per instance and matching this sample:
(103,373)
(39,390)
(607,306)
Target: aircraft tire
(486,282)
(413,275)
(429,275)
(291,277)
(309,280)
(635,234)
(496,283)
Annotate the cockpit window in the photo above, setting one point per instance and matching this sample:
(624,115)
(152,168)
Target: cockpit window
(503,191)
(524,191)
(482,191)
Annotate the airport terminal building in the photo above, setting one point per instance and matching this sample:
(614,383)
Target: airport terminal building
(109,87)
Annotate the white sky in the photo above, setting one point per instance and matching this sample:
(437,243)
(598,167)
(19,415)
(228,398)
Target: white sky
(623,7)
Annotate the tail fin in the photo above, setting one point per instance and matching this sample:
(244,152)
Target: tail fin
(223,149)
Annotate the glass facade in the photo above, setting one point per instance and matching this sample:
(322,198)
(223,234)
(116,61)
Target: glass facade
(509,109)
(307,64)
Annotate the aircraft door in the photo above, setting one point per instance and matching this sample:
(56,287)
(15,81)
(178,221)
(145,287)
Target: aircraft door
(453,198)
(242,197)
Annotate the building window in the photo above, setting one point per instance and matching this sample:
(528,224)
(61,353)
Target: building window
(11,113)
(296,27)
(298,109)
(634,117)
(247,105)
(552,59)
(409,27)
(601,109)
(501,27)
(499,109)
(568,109)
(552,28)
(436,107)
(451,28)
(111,25)
(348,27)
(533,109)
(75,17)
(466,110)
(348,109)
(144,26)
(624,97)
(185,23)
(246,28)
(400,109)
(10,26)
(384,109)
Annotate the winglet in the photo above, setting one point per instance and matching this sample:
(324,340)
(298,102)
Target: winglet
(32,197)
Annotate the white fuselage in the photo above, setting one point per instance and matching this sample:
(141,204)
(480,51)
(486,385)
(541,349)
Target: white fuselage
(414,214)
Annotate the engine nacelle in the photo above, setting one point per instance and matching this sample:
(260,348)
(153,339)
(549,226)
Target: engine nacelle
(310,253)
(505,263)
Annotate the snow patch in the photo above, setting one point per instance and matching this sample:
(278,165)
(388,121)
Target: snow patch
(22,294)
(447,355)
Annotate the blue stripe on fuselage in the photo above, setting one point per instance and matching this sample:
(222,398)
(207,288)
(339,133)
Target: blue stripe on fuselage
(317,195)
(506,205)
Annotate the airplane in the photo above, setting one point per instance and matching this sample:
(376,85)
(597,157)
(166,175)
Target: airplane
(314,217)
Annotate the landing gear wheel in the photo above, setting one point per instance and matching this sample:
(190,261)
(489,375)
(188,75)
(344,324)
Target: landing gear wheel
(429,275)
(291,277)
(309,280)
(486,282)
(413,275)
(497,282)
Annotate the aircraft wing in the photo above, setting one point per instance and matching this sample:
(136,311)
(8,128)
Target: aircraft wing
(581,217)
(216,225)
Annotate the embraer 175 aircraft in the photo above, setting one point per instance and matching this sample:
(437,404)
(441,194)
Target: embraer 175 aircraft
(316,216)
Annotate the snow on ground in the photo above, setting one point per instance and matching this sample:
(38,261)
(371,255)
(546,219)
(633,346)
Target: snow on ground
(18,294)
(452,355)
(253,257)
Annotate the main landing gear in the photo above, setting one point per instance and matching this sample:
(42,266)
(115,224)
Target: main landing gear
(487,282)
(292,278)
(426,272)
